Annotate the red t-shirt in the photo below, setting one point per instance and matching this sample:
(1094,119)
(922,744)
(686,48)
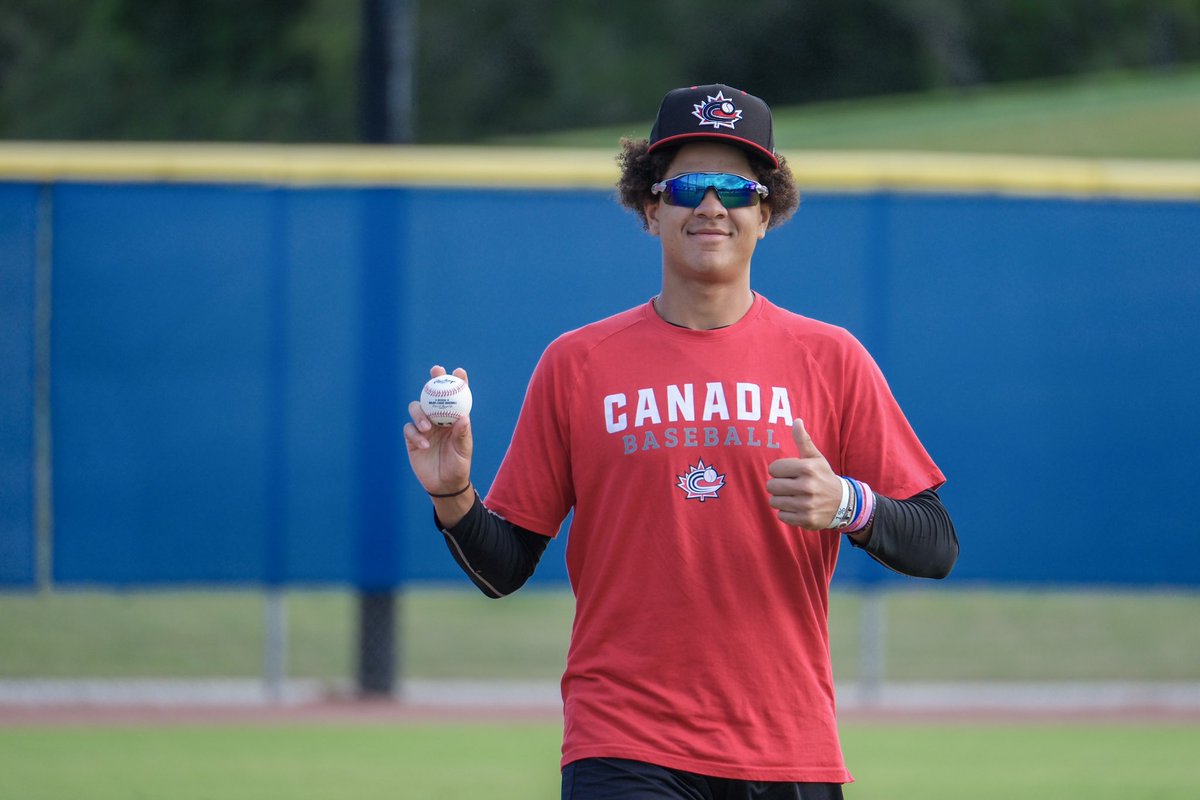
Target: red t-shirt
(700,639)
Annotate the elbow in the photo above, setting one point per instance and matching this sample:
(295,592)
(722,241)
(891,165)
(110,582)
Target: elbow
(498,589)
(941,568)
(940,572)
(487,590)
(944,540)
(934,562)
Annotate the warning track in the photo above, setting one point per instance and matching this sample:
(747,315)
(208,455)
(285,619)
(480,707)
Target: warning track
(33,703)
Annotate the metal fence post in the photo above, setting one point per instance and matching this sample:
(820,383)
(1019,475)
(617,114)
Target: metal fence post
(872,619)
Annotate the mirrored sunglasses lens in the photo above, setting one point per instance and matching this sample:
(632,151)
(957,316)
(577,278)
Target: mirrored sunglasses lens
(689,190)
(686,190)
(734,190)
(687,196)
(737,198)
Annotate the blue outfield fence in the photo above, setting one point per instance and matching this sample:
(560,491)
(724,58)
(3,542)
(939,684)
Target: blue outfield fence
(231,364)
(18,248)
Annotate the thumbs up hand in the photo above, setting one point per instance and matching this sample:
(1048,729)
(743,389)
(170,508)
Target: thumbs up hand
(804,489)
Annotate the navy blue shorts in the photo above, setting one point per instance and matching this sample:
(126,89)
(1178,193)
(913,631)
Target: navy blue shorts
(622,779)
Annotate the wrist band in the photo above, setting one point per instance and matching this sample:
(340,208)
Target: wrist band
(859,503)
(856,529)
(866,511)
(452,494)
(845,511)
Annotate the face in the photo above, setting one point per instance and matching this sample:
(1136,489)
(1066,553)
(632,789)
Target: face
(709,243)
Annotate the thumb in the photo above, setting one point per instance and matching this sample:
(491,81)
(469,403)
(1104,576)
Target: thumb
(804,442)
(461,432)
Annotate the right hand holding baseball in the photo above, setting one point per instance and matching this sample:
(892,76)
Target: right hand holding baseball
(440,456)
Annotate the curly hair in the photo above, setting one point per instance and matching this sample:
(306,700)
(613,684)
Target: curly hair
(640,170)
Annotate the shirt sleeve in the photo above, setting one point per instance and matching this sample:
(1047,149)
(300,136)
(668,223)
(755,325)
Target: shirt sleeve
(533,487)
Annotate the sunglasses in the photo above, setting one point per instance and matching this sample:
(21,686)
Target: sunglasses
(688,189)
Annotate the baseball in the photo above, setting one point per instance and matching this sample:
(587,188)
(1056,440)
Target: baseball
(445,399)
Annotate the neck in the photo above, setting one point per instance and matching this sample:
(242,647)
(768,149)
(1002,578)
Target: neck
(703,308)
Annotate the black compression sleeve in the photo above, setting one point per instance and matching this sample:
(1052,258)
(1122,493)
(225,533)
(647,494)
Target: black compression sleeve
(915,536)
(497,556)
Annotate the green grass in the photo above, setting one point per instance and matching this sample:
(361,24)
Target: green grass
(519,762)
(931,634)
(1113,115)
(1096,762)
(278,762)
(1043,636)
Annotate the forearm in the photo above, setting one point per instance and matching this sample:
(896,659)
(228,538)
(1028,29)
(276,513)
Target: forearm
(496,555)
(449,509)
(915,536)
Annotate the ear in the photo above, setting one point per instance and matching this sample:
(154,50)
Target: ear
(764,211)
(651,208)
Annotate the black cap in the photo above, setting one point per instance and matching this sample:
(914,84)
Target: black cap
(715,112)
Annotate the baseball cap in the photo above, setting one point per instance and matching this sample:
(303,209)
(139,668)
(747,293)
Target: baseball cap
(715,112)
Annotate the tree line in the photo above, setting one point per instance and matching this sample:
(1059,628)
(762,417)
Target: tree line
(293,70)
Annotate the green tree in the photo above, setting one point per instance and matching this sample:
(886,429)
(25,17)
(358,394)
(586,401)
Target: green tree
(123,69)
(288,70)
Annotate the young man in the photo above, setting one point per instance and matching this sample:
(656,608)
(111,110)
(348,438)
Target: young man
(715,449)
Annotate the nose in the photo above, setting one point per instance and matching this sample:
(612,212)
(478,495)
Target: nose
(711,205)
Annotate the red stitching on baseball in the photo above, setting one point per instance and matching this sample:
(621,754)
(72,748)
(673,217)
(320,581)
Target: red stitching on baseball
(445,392)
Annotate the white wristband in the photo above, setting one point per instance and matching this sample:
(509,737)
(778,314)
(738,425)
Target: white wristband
(845,512)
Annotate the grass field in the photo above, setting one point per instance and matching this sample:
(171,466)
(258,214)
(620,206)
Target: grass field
(519,762)
(932,634)
(1110,115)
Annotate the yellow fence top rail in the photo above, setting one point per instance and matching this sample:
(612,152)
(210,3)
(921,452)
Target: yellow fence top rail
(420,165)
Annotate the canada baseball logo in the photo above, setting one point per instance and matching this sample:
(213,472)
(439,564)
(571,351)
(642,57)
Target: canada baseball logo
(718,111)
(701,482)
